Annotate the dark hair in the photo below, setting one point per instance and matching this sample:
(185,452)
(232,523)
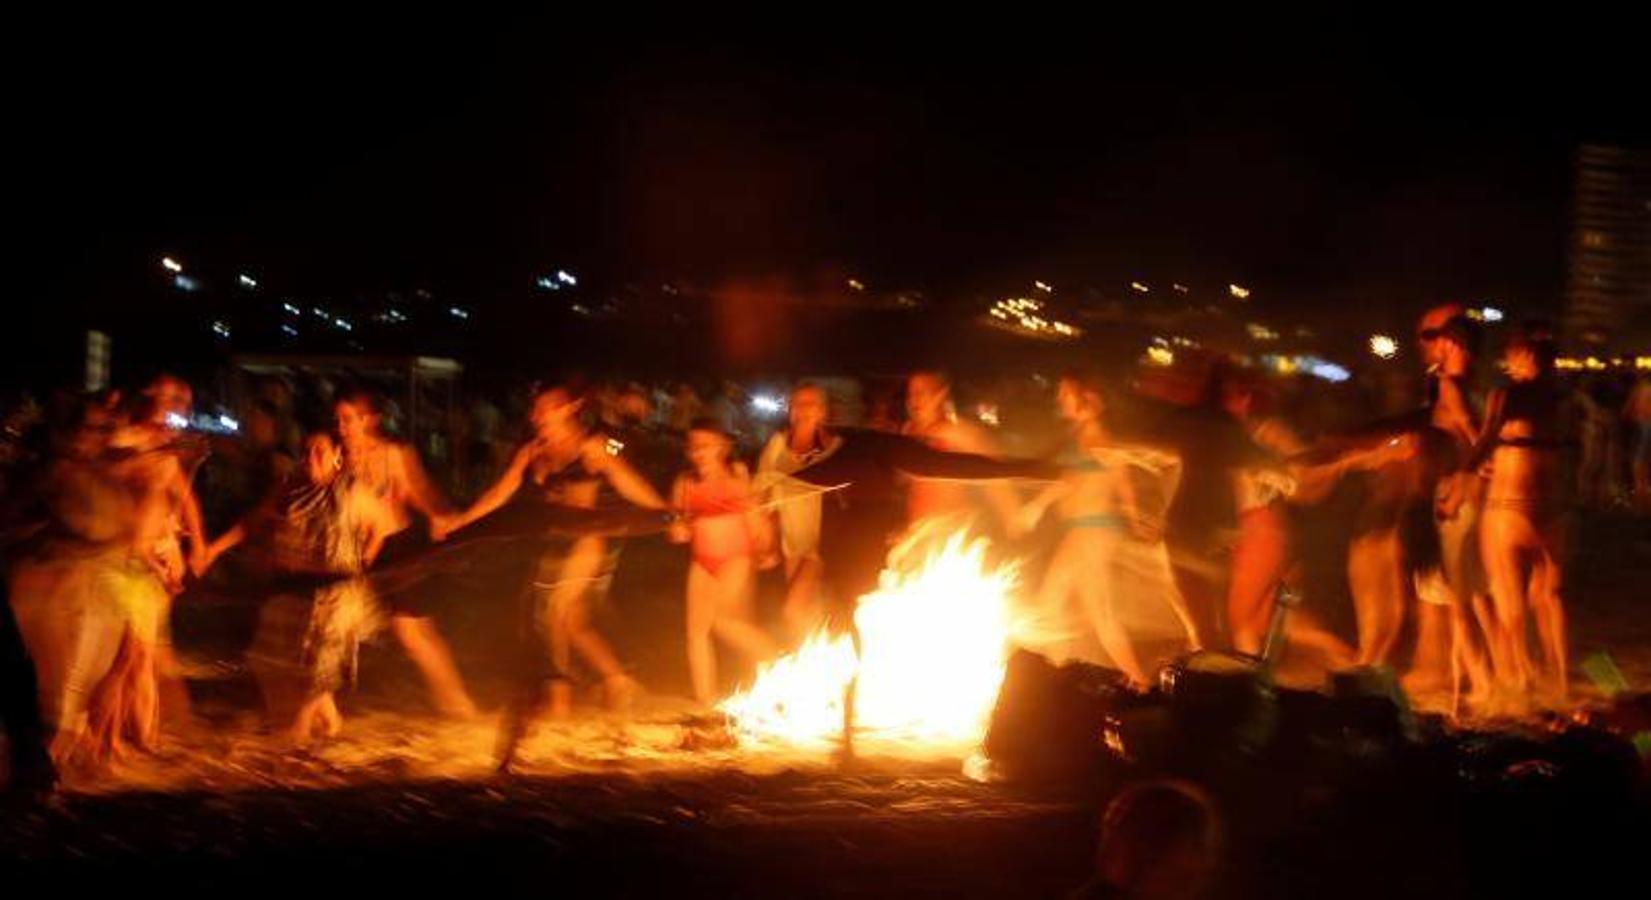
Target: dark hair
(362,396)
(801,386)
(944,379)
(1087,379)
(576,392)
(1536,339)
(1147,823)
(707,424)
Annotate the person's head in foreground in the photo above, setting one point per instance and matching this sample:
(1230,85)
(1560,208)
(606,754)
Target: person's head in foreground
(1159,839)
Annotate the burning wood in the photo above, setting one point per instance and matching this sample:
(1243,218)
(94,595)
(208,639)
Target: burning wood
(935,637)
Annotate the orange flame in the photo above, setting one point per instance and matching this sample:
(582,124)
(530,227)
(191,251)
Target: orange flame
(935,637)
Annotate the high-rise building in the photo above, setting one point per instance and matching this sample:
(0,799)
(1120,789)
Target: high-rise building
(1608,289)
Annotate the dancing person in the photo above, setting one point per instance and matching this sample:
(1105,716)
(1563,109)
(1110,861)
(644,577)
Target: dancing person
(798,507)
(1521,537)
(932,419)
(1097,513)
(1452,611)
(322,531)
(391,472)
(728,535)
(1201,519)
(564,465)
(88,592)
(1267,497)
(158,462)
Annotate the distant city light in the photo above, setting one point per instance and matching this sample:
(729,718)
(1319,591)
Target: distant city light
(1491,314)
(1160,356)
(1328,371)
(220,329)
(1139,287)
(320,313)
(766,405)
(292,310)
(856,284)
(1047,289)
(1179,288)
(229,423)
(289,330)
(548,283)
(614,446)
(563,276)
(247,281)
(342,325)
(458,313)
(1239,291)
(1384,346)
(185,283)
(987,414)
(1260,332)
(171,265)
(1027,315)
(174,420)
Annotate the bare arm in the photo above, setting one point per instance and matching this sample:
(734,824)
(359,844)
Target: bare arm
(630,485)
(226,542)
(510,481)
(190,510)
(1000,495)
(917,458)
(421,492)
(1485,441)
(678,532)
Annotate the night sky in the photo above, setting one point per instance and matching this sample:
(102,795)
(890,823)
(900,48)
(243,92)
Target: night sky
(379,152)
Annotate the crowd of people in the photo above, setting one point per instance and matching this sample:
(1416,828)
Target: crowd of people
(1185,490)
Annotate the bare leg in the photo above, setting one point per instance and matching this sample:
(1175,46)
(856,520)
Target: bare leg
(701,616)
(427,649)
(319,714)
(144,722)
(1504,551)
(1096,595)
(1257,566)
(1374,574)
(734,622)
(1309,635)
(1548,612)
(801,612)
(1177,600)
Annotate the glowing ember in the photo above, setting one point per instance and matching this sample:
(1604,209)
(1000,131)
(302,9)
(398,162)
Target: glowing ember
(935,637)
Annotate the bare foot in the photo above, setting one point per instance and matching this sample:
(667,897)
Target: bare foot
(621,691)
(561,700)
(459,707)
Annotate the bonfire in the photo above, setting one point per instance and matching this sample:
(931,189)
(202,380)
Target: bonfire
(935,638)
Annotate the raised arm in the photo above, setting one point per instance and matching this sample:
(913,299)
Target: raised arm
(499,493)
(627,481)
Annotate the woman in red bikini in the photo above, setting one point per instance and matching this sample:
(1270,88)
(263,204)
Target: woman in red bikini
(727,532)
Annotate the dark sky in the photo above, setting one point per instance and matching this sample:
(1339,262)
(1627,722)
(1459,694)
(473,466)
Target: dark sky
(388,151)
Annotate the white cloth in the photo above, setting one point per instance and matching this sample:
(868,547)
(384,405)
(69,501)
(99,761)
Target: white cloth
(798,503)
